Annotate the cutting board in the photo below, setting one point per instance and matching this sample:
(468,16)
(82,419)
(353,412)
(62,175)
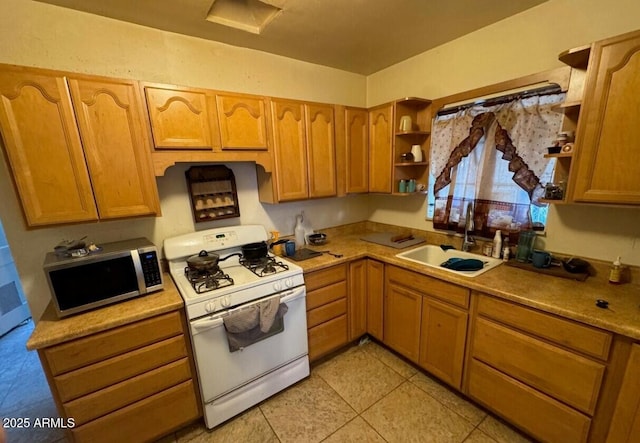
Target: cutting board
(303,254)
(384,239)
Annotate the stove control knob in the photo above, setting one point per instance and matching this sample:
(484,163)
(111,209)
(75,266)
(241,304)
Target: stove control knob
(226,302)
(277,286)
(288,283)
(210,307)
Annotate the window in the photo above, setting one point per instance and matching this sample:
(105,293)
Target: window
(493,158)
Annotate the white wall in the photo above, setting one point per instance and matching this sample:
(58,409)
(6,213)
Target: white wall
(517,46)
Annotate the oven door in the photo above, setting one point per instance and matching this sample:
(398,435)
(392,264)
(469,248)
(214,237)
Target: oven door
(221,371)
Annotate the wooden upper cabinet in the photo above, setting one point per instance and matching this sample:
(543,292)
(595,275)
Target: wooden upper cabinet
(242,121)
(357,150)
(289,149)
(381,148)
(321,150)
(608,158)
(304,150)
(182,118)
(43,147)
(117,151)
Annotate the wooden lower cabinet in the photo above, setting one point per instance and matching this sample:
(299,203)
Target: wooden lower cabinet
(145,420)
(442,340)
(625,426)
(357,299)
(327,325)
(540,372)
(131,383)
(426,321)
(403,310)
(538,414)
(571,378)
(328,336)
(375,299)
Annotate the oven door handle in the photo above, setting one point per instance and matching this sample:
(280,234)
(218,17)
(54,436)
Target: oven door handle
(208,323)
(218,320)
(293,294)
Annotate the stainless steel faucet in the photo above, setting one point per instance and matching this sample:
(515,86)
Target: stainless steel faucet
(469,241)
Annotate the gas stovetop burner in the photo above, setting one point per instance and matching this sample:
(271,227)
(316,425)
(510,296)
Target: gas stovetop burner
(204,281)
(264,266)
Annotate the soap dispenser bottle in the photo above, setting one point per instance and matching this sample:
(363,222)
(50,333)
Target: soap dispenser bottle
(497,244)
(299,231)
(615,274)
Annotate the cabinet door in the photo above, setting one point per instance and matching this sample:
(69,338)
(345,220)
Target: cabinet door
(442,339)
(357,164)
(242,121)
(403,311)
(380,148)
(625,425)
(608,158)
(180,118)
(289,149)
(357,299)
(321,150)
(43,147)
(116,147)
(375,299)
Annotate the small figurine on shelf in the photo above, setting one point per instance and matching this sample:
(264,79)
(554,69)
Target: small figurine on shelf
(554,191)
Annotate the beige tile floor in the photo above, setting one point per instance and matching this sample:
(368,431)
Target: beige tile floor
(364,394)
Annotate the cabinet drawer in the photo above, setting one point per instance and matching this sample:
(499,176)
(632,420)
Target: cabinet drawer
(320,279)
(146,420)
(127,392)
(98,347)
(433,287)
(116,369)
(327,337)
(326,312)
(568,377)
(326,295)
(585,339)
(539,415)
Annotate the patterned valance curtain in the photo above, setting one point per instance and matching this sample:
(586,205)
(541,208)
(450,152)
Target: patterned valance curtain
(493,157)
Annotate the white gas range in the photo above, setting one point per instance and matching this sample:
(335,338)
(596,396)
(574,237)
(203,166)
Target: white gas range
(234,378)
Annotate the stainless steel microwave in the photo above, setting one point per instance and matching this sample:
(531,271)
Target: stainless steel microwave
(119,271)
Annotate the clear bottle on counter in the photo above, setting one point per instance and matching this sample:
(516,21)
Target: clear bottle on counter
(299,231)
(497,244)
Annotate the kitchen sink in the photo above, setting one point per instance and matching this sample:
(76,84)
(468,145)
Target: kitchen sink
(434,256)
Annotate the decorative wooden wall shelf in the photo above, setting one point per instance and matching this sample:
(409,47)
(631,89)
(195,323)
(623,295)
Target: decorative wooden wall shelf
(213,194)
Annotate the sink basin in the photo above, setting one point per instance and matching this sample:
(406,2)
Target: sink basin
(433,256)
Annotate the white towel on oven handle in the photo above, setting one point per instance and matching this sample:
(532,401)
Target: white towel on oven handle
(268,310)
(243,320)
(240,340)
(263,313)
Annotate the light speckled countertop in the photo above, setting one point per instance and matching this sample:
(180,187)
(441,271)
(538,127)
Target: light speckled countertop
(51,331)
(568,298)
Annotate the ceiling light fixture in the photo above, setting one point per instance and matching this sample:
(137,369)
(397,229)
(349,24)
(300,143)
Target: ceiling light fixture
(247,15)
